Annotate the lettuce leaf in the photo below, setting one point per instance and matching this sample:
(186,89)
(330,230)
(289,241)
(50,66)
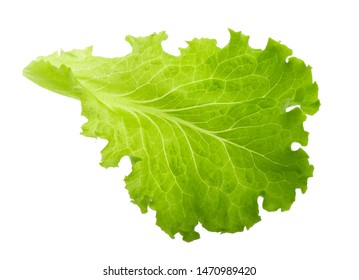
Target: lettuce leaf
(208,131)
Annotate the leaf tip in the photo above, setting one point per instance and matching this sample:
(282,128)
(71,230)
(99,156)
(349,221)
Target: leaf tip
(237,37)
(149,43)
(276,46)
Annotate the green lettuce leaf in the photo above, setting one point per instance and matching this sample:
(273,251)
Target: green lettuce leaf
(208,131)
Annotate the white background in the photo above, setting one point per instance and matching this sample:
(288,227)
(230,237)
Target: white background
(62,216)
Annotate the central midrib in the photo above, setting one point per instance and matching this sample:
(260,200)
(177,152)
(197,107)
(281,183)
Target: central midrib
(127,105)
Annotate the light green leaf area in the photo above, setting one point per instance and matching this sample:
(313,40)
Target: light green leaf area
(207,131)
